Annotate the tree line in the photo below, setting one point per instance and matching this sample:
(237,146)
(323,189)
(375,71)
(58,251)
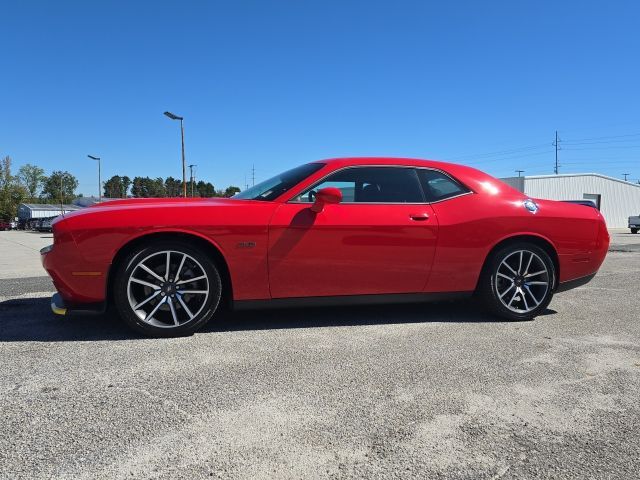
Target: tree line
(145,187)
(31,185)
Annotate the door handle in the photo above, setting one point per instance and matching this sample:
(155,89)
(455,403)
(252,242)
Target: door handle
(419,217)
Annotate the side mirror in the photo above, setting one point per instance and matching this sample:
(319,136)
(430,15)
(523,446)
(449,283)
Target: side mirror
(324,196)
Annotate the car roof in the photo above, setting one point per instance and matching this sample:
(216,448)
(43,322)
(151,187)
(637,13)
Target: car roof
(414,162)
(476,180)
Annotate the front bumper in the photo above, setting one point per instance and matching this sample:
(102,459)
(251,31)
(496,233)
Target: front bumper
(60,307)
(57,305)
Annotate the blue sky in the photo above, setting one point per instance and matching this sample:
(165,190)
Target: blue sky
(278,83)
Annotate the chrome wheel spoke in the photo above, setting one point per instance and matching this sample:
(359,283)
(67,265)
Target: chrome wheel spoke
(151,272)
(184,257)
(144,302)
(195,292)
(513,297)
(506,291)
(536,301)
(529,275)
(526,269)
(146,284)
(173,311)
(520,263)
(155,309)
(504,262)
(167,271)
(505,276)
(524,299)
(190,280)
(186,309)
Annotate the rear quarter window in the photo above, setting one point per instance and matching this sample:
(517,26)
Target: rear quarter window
(439,186)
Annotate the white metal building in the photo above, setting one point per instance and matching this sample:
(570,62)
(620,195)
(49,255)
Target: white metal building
(28,211)
(616,199)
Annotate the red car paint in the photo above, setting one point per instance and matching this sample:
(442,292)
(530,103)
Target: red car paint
(282,249)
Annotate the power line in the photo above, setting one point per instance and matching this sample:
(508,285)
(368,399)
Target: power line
(500,159)
(607,136)
(502,152)
(605,148)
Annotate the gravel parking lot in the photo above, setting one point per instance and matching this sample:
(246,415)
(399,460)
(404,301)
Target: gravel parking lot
(428,391)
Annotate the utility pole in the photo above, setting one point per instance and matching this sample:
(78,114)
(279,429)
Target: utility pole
(191,176)
(173,116)
(519,172)
(253,175)
(556,144)
(625,176)
(246,185)
(61,194)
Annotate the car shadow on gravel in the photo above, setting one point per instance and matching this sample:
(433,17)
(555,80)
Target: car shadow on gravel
(30,319)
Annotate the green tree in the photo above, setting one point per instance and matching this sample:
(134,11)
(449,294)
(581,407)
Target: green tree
(11,192)
(205,189)
(117,187)
(231,191)
(173,187)
(31,177)
(138,188)
(60,187)
(145,187)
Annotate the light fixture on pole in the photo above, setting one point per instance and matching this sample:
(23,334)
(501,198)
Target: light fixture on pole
(99,179)
(184,177)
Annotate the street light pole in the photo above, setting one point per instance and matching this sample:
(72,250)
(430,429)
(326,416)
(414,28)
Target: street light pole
(99,177)
(184,173)
(191,176)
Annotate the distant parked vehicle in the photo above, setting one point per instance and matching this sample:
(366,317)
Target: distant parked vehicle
(5,225)
(634,224)
(44,225)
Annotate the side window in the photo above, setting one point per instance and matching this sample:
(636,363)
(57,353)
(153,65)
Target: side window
(438,186)
(371,185)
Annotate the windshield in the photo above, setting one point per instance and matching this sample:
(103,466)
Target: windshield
(276,186)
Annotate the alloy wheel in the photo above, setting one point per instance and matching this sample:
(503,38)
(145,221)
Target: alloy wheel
(167,289)
(522,281)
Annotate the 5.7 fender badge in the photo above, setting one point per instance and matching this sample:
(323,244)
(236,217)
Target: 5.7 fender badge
(246,244)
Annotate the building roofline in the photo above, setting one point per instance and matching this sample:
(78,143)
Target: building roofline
(564,175)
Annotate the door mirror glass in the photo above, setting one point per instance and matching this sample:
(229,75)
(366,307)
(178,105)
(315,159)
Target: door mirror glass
(324,196)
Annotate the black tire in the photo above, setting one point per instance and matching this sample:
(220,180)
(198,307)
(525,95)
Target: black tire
(491,283)
(634,230)
(170,319)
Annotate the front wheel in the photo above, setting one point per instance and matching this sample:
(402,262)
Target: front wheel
(634,230)
(517,281)
(167,289)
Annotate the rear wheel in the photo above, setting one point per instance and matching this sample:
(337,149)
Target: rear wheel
(167,289)
(517,281)
(634,230)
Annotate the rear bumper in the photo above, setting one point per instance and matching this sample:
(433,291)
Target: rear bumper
(578,282)
(60,307)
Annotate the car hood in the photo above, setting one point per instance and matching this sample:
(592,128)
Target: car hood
(153,209)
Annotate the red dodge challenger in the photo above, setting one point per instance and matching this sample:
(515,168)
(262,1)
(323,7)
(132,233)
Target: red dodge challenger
(336,231)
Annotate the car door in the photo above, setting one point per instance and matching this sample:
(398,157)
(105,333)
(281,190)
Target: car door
(380,239)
